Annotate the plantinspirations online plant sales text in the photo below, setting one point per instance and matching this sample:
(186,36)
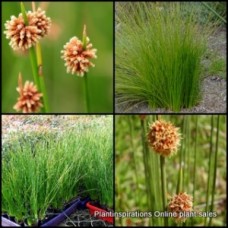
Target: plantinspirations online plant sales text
(149,214)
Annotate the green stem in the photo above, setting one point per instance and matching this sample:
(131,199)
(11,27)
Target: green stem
(41,77)
(213,11)
(85,80)
(180,180)
(209,171)
(32,55)
(195,158)
(185,127)
(23,11)
(163,184)
(194,169)
(134,158)
(86,93)
(148,178)
(35,59)
(215,170)
(35,72)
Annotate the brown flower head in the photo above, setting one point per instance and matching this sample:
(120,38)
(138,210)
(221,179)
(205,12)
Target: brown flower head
(181,203)
(164,138)
(22,36)
(77,55)
(29,99)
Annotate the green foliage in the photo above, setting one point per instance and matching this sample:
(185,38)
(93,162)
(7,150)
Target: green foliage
(217,67)
(206,12)
(43,169)
(158,54)
(201,155)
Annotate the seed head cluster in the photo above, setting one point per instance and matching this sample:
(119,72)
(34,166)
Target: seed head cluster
(180,203)
(164,137)
(23,36)
(77,56)
(29,99)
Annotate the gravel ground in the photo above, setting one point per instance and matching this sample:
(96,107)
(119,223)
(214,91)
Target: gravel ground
(213,87)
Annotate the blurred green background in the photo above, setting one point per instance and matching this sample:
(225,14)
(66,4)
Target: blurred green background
(65,91)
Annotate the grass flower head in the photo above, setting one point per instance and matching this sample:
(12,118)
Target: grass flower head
(29,99)
(23,36)
(77,55)
(164,138)
(41,21)
(181,203)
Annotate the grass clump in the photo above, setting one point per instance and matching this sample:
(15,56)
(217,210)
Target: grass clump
(42,170)
(158,55)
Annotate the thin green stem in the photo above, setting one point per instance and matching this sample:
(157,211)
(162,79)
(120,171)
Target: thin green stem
(35,72)
(180,186)
(147,171)
(41,76)
(87,106)
(134,158)
(180,180)
(32,55)
(36,62)
(163,184)
(195,159)
(209,167)
(215,170)
(188,154)
(213,11)
(23,11)
(184,160)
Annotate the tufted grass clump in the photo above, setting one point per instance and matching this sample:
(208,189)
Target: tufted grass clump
(158,55)
(46,169)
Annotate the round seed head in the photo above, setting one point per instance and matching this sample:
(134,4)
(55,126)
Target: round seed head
(23,36)
(77,56)
(181,203)
(164,138)
(41,21)
(29,99)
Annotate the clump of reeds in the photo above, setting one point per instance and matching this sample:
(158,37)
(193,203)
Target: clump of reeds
(171,185)
(158,55)
(42,170)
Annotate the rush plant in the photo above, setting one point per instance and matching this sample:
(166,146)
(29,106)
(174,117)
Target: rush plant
(184,182)
(42,170)
(158,55)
